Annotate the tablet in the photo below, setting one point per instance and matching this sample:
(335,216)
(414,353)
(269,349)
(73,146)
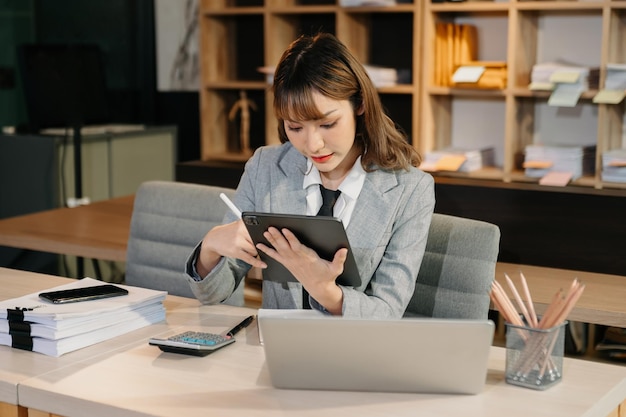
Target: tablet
(325,235)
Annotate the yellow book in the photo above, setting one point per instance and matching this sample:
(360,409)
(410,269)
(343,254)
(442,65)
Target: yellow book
(449,54)
(469,44)
(440,41)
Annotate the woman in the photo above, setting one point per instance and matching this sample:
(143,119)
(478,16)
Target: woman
(334,134)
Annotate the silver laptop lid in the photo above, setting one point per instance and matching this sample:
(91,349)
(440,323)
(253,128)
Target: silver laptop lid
(409,355)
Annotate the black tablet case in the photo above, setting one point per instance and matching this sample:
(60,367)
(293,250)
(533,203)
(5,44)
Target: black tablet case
(325,235)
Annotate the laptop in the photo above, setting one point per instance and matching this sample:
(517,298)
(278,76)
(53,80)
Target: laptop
(440,356)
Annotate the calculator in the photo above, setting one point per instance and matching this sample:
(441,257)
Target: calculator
(192,343)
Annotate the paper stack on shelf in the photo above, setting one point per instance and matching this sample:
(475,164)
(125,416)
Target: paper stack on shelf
(546,75)
(614,165)
(615,77)
(455,159)
(30,323)
(357,3)
(614,89)
(455,45)
(576,160)
(481,74)
(385,76)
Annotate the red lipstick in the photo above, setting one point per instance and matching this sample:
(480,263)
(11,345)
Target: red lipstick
(321,159)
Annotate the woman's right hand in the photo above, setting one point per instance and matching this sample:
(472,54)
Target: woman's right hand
(231,240)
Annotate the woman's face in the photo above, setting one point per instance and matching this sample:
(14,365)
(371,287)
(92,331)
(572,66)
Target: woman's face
(329,142)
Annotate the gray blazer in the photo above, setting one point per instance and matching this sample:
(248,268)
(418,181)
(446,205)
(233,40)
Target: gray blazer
(387,233)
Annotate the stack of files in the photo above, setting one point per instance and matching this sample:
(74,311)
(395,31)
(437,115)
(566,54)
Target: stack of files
(615,77)
(614,85)
(386,76)
(481,74)
(30,323)
(357,3)
(577,161)
(614,165)
(547,75)
(459,160)
(455,45)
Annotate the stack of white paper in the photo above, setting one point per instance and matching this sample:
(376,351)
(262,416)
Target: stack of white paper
(387,76)
(456,159)
(545,75)
(577,160)
(31,323)
(615,77)
(566,81)
(382,76)
(614,165)
(357,3)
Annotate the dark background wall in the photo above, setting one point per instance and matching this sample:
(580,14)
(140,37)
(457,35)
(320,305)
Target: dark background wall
(546,226)
(125,31)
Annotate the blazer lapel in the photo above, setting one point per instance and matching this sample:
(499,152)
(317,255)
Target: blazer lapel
(376,205)
(287,193)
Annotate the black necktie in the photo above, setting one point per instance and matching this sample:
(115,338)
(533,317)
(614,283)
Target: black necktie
(329,198)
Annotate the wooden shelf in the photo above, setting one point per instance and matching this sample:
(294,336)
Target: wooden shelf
(587,33)
(232,51)
(238,37)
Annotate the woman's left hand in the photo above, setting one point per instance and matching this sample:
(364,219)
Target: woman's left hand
(317,275)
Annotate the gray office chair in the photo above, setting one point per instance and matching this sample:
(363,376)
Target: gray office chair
(169,219)
(457,270)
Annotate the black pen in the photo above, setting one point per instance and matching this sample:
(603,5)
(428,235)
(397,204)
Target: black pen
(245,323)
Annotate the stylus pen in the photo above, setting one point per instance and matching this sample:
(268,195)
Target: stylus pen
(230,205)
(245,323)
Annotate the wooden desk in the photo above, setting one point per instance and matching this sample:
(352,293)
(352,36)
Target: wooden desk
(98,230)
(125,376)
(16,365)
(234,382)
(602,301)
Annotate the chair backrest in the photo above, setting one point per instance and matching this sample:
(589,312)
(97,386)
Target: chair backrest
(169,219)
(457,270)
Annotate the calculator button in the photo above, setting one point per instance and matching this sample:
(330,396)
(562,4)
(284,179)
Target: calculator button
(207,342)
(199,338)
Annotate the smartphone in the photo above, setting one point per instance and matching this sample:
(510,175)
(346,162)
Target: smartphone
(74,295)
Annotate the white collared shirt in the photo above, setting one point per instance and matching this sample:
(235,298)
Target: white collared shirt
(350,190)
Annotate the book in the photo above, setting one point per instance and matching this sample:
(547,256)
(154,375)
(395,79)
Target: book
(32,323)
(455,45)
(36,310)
(540,160)
(614,165)
(456,159)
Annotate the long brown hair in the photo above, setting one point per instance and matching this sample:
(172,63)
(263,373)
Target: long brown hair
(322,63)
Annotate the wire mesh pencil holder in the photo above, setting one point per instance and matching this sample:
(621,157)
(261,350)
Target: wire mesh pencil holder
(534,357)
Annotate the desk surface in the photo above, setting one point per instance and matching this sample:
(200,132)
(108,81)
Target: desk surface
(18,365)
(602,301)
(99,230)
(127,377)
(235,382)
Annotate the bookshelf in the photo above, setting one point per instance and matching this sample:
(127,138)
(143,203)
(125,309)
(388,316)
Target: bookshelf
(240,36)
(525,33)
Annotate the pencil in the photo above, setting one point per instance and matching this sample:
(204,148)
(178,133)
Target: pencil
(519,301)
(529,300)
